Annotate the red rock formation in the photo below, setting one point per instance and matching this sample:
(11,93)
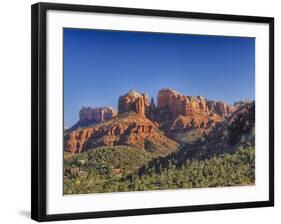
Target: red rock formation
(220,108)
(177,104)
(132,130)
(133,101)
(182,113)
(179,117)
(242,109)
(97,114)
(75,140)
(89,116)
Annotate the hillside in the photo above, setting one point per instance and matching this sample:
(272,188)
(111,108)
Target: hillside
(91,173)
(97,170)
(182,142)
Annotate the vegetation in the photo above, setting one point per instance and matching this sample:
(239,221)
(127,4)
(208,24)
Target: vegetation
(99,169)
(123,168)
(149,145)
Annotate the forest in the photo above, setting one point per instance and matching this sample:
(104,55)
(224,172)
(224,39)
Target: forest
(116,169)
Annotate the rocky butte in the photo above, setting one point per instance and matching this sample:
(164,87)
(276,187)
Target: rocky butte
(97,114)
(177,113)
(177,104)
(133,101)
(94,115)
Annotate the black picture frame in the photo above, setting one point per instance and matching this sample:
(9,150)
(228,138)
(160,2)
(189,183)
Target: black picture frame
(39,124)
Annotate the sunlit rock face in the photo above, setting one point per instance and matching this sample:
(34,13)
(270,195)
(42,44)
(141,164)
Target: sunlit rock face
(133,101)
(173,120)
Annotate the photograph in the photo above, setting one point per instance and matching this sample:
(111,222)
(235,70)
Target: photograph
(150,111)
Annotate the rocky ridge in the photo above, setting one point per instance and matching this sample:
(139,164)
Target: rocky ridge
(125,129)
(175,119)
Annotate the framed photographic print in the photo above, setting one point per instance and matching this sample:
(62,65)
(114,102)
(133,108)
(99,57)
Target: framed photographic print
(139,111)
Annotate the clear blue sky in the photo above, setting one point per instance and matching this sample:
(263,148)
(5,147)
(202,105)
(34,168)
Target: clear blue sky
(100,65)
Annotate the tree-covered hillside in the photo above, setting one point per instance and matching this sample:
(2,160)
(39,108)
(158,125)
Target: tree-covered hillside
(115,169)
(220,152)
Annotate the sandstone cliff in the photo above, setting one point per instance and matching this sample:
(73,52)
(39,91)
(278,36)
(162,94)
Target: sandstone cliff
(220,108)
(177,104)
(133,101)
(97,114)
(125,129)
(178,112)
(90,115)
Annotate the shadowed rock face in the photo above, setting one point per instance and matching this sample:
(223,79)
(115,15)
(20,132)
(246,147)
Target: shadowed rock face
(133,101)
(152,110)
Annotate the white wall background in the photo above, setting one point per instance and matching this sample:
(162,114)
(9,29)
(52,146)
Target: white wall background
(15,109)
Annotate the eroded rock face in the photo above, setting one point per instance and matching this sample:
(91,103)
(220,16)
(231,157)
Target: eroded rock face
(93,115)
(152,111)
(133,101)
(97,114)
(177,104)
(75,140)
(220,108)
(187,118)
(131,130)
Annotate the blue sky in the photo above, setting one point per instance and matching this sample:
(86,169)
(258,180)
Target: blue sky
(101,65)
